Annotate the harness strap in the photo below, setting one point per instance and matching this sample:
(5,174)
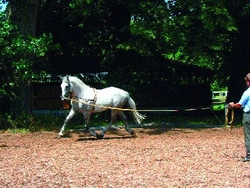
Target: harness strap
(94,100)
(89,100)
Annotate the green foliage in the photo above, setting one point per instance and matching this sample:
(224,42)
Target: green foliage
(88,32)
(93,34)
(217,86)
(193,32)
(30,122)
(21,58)
(22,130)
(196,32)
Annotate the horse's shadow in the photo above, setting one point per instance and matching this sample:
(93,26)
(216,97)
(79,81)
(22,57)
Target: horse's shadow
(112,133)
(82,139)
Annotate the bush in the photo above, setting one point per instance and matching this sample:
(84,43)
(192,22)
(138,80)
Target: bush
(30,122)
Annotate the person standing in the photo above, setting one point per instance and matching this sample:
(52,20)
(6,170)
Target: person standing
(244,103)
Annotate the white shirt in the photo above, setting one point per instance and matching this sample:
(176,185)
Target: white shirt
(245,100)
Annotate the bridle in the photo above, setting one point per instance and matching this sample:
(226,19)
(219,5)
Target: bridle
(67,90)
(230,122)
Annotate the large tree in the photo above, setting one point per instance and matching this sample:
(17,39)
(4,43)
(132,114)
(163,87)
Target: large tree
(24,14)
(21,53)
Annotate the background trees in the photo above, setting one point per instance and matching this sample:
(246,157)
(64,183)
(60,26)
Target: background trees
(22,54)
(237,59)
(115,36)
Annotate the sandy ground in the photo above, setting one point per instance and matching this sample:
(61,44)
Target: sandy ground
(155,158)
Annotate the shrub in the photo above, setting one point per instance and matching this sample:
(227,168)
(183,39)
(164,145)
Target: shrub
(30,122)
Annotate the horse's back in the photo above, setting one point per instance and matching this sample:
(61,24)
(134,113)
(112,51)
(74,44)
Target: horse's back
(113,91)
(112,96)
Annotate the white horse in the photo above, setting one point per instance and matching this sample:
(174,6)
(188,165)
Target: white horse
(82,95)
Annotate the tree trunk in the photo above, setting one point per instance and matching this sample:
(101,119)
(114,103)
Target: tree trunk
(24,14)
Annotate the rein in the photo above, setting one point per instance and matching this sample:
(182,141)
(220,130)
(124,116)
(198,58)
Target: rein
(128,109)
(230,122)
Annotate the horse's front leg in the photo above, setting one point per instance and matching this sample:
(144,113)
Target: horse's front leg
(70,115)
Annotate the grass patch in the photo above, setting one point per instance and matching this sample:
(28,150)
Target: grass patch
(19,130)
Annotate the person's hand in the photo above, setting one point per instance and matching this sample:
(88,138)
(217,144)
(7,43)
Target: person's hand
(231,105)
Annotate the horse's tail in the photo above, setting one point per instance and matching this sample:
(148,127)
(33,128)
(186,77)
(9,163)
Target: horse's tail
(137,116)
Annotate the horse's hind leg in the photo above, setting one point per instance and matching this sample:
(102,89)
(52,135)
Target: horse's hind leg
(127,128)
(70,115)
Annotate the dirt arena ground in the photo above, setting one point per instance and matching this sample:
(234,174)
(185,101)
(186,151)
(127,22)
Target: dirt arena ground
(155,158)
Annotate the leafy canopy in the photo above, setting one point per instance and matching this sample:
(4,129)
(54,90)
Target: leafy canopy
(20,57)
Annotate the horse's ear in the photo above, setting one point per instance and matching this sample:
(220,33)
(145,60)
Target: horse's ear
(67,76)
(61,77)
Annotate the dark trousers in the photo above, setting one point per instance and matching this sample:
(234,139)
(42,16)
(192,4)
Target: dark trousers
(246,125)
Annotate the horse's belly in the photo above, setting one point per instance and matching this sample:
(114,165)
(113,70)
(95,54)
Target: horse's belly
(80,107)
(99,109)
(102,106)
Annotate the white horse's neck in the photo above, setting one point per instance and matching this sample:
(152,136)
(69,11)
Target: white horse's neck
(79,88)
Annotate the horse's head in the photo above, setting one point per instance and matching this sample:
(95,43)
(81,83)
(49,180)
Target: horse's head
(66,87)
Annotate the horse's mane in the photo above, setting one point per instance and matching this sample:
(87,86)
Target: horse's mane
(75,79)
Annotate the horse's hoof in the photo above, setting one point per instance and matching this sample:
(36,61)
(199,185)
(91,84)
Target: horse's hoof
(60,135)
(99,136)
(133,133)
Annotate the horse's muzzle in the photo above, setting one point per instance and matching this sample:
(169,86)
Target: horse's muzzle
(63,97)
